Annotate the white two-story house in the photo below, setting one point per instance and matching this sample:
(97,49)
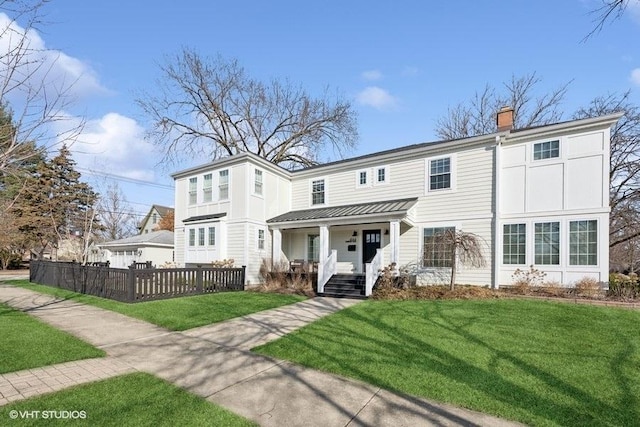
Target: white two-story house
(537,196)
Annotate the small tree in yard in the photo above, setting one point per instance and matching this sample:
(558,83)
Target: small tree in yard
(464,247)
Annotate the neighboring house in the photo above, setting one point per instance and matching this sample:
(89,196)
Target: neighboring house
(536,196)
(156,247)
(150,222)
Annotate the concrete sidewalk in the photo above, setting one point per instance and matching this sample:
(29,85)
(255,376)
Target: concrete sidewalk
(214,362)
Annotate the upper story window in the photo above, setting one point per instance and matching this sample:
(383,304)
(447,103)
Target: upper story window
(224,184)
(257,182)
(440,174)
(436,253)
(260,239)
(207,188)
(154,218)
(362,177)
(381,175)
(193,191)
(317,192)
(546,150)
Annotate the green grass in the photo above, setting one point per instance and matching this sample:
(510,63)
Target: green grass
(536,362)
(178,314)
(131,400)
(26,342)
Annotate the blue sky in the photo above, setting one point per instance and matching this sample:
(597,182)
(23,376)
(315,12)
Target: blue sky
(402,63)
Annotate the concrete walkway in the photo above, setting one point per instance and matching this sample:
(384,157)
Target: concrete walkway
(215,362)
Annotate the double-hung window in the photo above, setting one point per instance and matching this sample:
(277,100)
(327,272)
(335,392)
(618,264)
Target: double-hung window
(212,236)
(381,175)
(583,242)
(437,252)
(546,150)
(547,243)
(201,236)
(192,237)
(207,188)
(514,243)
(317,192)
(260,239)
(223,187)
(193,190)
(440,173)
(257,182)
(313,247)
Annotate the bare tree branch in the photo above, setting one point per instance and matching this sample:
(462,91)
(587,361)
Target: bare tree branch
(211,107)
(609,10)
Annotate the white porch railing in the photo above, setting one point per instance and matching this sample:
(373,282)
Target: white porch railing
(372,271)
(326,270)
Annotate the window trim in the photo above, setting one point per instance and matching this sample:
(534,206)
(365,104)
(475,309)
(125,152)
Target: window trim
(192,193)
(261,242)
(526,251)
(597,243)
(551,150)
(324,191)
(255,182)
(207,190)
(367,176)
(376,172)
(452,174)
(227,185)
(421,245)
(559,243)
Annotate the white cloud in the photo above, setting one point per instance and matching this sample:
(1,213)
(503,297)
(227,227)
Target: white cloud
(372,75)
(377,97)
(635,77)
(51,68)
(115,144)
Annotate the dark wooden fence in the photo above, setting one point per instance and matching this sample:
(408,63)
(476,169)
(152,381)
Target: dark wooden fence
(135,284)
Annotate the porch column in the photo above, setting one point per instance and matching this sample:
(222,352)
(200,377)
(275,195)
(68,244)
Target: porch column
(322,256)
(394,241)
(276,245)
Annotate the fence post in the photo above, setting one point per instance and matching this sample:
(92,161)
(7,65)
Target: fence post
(244,272)
(131,283)
(199,279)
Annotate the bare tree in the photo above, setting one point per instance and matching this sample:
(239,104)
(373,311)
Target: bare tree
(624,175)
(33,96)
(210,107)
(478,116)
(609,10)
(116,215)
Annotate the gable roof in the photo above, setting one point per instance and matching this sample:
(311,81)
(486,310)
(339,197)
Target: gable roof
(155,238)
(387,207)
(162,210)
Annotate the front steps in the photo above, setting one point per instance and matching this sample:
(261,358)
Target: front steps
(345,286)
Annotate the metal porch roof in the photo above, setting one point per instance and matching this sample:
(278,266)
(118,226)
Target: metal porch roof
(399,206)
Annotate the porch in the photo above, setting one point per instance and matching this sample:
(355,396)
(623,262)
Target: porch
(346,245)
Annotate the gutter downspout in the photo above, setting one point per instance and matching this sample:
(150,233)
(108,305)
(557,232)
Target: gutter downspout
(496,212)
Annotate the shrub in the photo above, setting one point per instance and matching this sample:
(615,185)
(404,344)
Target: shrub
(524,280)
(623,287)
(276,277)
(587,287)
(223,263)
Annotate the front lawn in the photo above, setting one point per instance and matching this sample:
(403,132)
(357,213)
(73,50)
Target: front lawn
(178,314)
(536,362)
(26,342)
(130,400)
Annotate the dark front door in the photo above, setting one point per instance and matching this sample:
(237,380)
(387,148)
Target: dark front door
(370,242)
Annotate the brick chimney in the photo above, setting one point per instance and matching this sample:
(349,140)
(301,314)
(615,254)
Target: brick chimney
(504,119)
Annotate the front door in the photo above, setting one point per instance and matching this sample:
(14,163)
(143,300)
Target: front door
(370,242)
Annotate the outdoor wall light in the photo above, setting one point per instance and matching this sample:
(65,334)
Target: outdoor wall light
(355,233)
(386,232)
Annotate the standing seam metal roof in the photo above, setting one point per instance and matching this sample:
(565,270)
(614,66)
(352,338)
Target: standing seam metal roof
(387,206)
